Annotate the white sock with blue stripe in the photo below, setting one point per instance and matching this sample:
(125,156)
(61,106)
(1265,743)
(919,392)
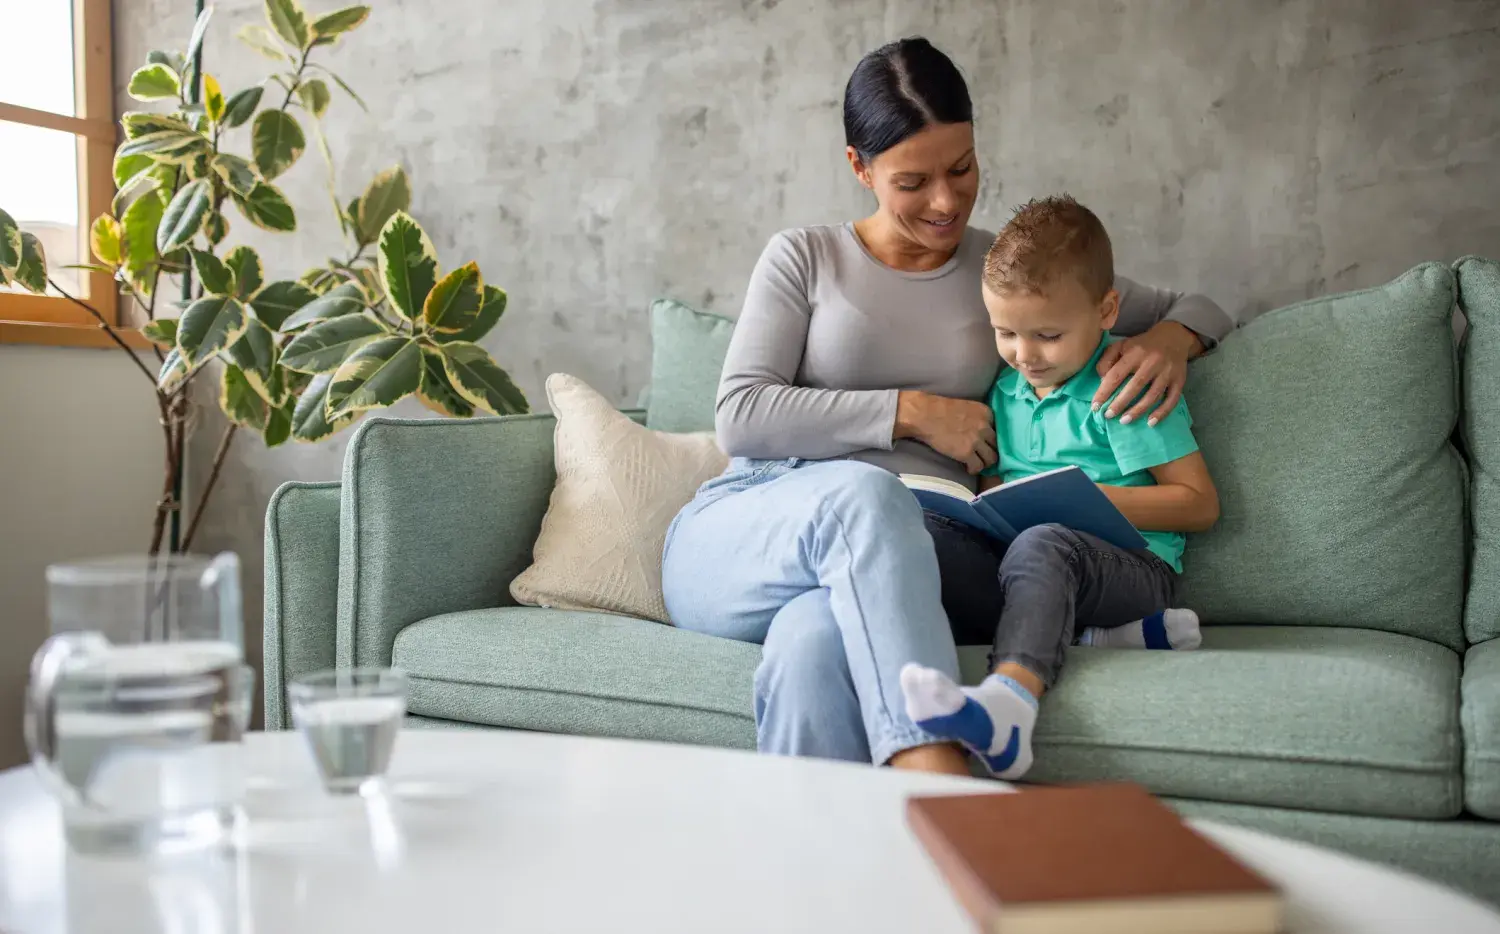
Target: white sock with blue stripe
(994,719)
(1170,629)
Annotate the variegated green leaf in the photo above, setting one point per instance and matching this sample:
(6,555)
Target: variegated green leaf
(388,192)
(141,122)
(140,222)
(318,279)
(323,347)
(173,60)
(331,25)
(184,217)
(378,374)
(239,400)
(31,273)
(198,166)
(173,368)
(216,228)
(480,380)
(153,82)
(127,168)
(259,39)
(241,107)
(10,246)
(335,303)
(217,278)
(347,89)
(209,325)
(171,146)
(213,98)
(267,208)
(255,353)
(489,313)
(244,262)
(276,140)
(105,239)
(290,22)
(279,425)
(436,391)
(310,416)
(408,264)
(200,28)
(162,332)
(313,93)
(454,302)
(279,300)
(238,176)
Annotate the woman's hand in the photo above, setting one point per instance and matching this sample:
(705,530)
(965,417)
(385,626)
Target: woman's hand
(1152,367)
(956,428)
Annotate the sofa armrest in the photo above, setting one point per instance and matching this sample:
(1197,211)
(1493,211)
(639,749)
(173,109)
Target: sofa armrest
(1480,717)
(438,516)
(301,588)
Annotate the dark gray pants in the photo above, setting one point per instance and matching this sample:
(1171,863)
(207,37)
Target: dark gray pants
(1029,601)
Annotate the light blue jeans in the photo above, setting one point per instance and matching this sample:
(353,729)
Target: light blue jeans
(829,566)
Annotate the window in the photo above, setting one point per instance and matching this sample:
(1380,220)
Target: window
(57,132)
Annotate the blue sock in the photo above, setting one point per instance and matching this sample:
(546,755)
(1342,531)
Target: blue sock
(994,720)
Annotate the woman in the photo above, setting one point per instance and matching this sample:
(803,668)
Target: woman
(862,351)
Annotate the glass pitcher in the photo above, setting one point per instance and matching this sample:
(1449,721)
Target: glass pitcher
(138,702)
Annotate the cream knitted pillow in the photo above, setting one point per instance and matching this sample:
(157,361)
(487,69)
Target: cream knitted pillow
(618,486)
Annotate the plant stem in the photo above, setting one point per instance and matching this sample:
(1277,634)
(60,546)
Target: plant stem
(213,477)
(113,334)
(166,504)
(296,80)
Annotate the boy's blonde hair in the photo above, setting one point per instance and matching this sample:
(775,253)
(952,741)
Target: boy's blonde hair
(1049,239)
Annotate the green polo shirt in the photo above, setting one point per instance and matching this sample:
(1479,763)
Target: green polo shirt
(1062,430)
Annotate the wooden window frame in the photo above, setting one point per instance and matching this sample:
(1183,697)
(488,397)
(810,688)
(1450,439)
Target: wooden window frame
(50,319)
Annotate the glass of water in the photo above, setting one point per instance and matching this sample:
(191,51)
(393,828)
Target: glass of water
(350,718)
(137,704)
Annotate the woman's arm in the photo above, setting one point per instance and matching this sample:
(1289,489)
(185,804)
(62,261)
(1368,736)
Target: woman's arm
(1165,329)
(1143,307)
(1183,500)
(760,412)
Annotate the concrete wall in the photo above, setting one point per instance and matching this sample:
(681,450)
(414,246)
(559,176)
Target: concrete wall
(80,473)
(594,154)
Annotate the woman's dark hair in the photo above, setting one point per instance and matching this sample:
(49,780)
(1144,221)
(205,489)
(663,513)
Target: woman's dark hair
(897,90)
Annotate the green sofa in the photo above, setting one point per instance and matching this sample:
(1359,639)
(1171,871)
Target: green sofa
(1347,692)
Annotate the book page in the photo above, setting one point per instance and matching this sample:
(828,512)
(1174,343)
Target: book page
(936,485)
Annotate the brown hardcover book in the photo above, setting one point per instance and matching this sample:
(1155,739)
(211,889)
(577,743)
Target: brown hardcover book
(1088,859)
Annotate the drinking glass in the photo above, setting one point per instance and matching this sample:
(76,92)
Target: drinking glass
(350,718)
(138,702)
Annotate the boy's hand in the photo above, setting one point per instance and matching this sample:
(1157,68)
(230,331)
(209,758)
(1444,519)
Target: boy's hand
(1151,366)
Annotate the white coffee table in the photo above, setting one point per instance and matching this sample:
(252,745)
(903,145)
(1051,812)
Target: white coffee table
(504,831)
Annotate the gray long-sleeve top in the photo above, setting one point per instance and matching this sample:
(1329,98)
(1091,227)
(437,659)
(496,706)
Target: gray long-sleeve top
(829,335)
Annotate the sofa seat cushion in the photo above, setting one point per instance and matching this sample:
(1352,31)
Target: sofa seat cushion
(596,674)
(1481,720)
(1343,720)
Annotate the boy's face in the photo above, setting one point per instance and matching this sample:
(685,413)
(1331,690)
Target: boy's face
(1049,337)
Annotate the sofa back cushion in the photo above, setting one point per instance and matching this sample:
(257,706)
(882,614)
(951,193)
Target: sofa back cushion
(1326,427)
(1479,296)
(687,356)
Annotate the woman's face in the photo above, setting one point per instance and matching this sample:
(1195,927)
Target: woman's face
(926,184)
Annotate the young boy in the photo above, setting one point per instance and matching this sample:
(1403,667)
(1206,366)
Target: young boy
(1048,287)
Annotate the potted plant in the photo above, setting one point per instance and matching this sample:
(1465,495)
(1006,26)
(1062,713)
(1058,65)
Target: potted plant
(295,359)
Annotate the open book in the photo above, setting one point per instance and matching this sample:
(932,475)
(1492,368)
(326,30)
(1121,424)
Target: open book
(1066,496)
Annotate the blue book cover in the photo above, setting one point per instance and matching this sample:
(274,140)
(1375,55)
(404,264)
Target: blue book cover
(1065,496)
